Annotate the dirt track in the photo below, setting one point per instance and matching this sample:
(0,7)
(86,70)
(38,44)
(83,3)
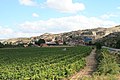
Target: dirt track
(89,68)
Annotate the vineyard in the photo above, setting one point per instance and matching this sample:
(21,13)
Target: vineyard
(41,63)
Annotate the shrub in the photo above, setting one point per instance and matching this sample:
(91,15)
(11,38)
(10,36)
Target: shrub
(98,45)
(108,64)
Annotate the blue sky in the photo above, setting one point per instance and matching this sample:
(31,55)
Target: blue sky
(26,18)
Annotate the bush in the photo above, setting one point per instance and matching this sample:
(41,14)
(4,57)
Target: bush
(64,43)
(40,41)
(1,45)
(98,45)
(118,44)
(107,63)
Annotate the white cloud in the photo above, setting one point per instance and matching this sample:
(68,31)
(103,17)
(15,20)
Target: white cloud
(65,5)
(23,34)
(118,7)
(107,16)
(64,24)
(55,25)
(35,15)
(28,2)
(5,31)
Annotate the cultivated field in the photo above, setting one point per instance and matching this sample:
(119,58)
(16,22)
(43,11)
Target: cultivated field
(42,63)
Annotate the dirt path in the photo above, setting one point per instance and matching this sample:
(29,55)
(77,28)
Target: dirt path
(89,68)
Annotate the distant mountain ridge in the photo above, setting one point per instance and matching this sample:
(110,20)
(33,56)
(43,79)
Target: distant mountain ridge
(95,34)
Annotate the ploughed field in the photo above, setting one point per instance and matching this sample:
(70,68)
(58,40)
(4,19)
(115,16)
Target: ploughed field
(42,63)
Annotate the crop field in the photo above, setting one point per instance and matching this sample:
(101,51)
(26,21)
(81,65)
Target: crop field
(41,63)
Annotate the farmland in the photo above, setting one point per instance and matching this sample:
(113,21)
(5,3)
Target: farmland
(42,63)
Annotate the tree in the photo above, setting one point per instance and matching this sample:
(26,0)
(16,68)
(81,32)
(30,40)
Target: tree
(30,44)
(70,36)
(1,45)
(98,45)
(90,43)
(64,43)
(20,45)
(118,44)
(40,41)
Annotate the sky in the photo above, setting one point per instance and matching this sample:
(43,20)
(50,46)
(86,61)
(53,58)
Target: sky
(27,18)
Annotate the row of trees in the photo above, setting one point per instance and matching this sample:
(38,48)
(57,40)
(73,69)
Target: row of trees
(10,45)
(39,42)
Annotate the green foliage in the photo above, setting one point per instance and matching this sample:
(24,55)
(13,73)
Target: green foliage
(101,77)
(118,44)
(90,43)
(111,40)
(40,41)
(19,45)
(64,43)
(108,68)
(11,45)
(41,63)
(1,45)
(8,46)
(30,44)
(98,45)
(107,63)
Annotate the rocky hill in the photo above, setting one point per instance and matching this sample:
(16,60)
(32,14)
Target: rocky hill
(110,40)
(16,40)
(95,34)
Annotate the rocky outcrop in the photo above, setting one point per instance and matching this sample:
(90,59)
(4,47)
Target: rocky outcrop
(110,40)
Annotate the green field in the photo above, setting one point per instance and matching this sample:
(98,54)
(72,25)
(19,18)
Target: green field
(41,63)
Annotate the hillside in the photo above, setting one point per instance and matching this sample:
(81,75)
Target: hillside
(95,34)
(111,39)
